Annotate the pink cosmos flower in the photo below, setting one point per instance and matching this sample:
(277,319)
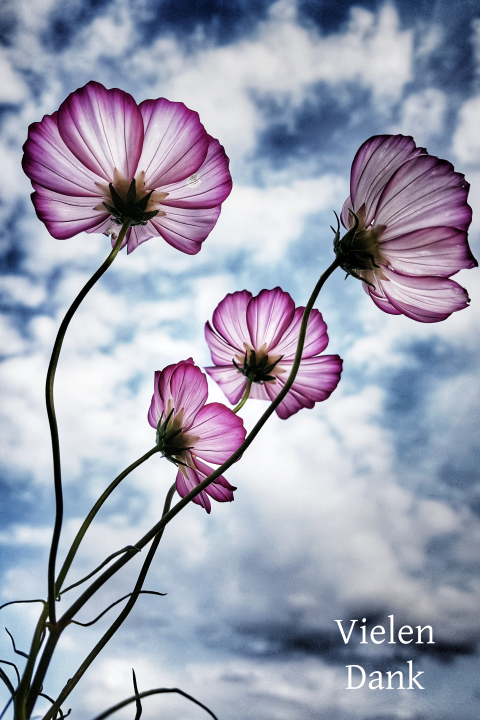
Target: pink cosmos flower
(413,218)
(255,338)
(101,139)
(189,432)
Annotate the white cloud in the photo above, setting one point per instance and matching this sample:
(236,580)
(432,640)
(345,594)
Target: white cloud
(423,115)
(466,139)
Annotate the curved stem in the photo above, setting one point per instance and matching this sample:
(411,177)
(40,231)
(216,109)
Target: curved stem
(22,690)
(157,691)
(57,474)
(244,398)
(89,519)
(120,619)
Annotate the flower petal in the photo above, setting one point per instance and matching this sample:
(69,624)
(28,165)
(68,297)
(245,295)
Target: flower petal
(65,216)
(231,382)
(425,299)
(268,316)
(175,143)
(316,379)
(184,229)
(424,192)
(220,489)
(188,479)
(47,161)
(220,433)
(207,187)
(230,321)
(103,129)
(439,251)
(373,166)
(157,406)
(316,339)
(186,388)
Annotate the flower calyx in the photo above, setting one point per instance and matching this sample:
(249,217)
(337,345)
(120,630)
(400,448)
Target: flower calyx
(131,209)
(165,439)
(254,371)
(356,249)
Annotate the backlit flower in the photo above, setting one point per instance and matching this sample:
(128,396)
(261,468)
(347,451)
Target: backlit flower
(190,432)
(255,338)
(413,218)
(84,158)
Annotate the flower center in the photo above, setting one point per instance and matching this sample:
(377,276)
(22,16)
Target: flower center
(258,366)
(173,443)
(359,249)
(130,200)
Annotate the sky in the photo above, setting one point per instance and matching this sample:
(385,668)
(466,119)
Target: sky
(366,506)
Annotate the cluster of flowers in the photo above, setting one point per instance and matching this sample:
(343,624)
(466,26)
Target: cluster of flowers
(103,159)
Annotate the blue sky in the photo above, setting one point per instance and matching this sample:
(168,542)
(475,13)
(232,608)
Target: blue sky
(366,506)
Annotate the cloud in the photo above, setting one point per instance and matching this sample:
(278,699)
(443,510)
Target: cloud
(466,139)
(341,510)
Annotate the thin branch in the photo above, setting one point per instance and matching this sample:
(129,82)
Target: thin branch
(94,572)
(7,662)
(6,707)
(139,592)
(52,420)
(16,602)
(138,702)
(19,652)
(157,691)
(6,680)
(62,714)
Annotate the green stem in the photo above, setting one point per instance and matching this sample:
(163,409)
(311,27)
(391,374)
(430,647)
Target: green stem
(244,398)
(120,619)
(22,690)
(57,474)
(91,515)
(156,691)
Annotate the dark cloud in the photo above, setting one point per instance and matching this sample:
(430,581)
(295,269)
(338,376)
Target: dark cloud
(221,21)
(68,18)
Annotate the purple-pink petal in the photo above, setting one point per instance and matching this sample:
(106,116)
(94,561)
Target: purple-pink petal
(188,479)
(208,186)
(424,192)
(183,228)
(231,382)
(375,163)
(230,321)
(157,406)
(441,251)
(315,381)
(220,432)
(48,162)
(268,316)
(65,216)
(316,339)
(187,390)
(175,143)
(103,129)
(425,299)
